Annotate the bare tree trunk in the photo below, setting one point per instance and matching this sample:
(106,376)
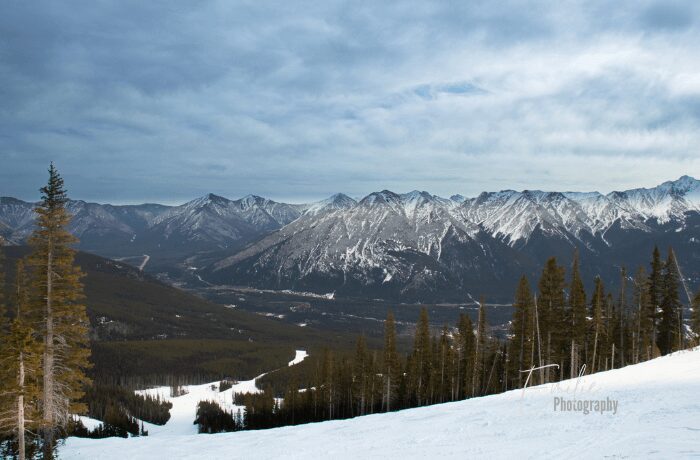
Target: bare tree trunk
(573,359)
(539,342)
(20,409)
(595,349)
(612,357)
(549,354)
(48,402)
(388,391)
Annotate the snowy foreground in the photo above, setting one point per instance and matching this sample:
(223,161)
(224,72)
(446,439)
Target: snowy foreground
(657,415)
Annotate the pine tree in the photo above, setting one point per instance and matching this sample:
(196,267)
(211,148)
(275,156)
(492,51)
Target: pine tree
(56,295)
(669,326)
(644,348)
(443,368)
(361,375)
(551,313)
(391,365)
(466,357)
(696,317)
(597,315)
(20,358)
(479,351)
(522,329)
(620,325)
(577,317)
(6,379)
(422,359)
(655,286)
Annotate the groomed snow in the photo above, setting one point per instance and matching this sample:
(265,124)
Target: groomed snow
(298,357)
(658,415)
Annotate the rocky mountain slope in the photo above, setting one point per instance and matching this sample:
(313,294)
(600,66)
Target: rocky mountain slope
(410,247)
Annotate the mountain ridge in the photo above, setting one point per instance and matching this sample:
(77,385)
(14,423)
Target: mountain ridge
(408,246)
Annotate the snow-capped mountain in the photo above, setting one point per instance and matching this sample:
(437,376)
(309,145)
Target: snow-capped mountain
(418,246)
(208,223)
(412,246)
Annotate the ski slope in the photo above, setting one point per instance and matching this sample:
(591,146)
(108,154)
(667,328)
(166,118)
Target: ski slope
(657,416)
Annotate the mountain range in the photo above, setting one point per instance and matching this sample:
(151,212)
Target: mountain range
(408,247)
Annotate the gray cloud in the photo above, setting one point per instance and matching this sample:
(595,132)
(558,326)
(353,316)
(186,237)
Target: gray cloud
(163,101)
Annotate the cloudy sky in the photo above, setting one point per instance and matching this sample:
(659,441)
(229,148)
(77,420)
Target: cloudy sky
(164,101)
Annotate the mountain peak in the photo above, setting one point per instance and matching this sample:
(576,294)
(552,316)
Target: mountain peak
(685,184)
(333,202)
(209,198)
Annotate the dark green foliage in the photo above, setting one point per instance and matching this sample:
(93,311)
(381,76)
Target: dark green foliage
(670,336)
(211,418)
(99,398)
(225,385)
(523,335)
(551,312)
(577,320)
(391,364)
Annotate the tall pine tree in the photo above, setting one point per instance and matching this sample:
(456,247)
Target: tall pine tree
(422,359)
(598,323)
(644,348)
(577,318)
(669,326)
(56,304)
(522,328)
(20,357)
(696,317)
(391,367)
(551,314)
(480,343)
(655,286)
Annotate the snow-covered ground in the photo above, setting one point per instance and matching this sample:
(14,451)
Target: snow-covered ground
(657,415)
(299,357)
(184,409)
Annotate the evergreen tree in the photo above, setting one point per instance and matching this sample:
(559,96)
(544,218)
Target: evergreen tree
(361,381)
(522,328)
(391,366)
(479,351)
(20,358)
(577,317)
(655,286)
(644,317)
(466,356)
(696,317)
(55,303)
(551,314)
(620,322)
(422,359)
(669,326)
(443,368)
(598,325)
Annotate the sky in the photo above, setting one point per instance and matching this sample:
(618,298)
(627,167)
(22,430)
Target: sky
(164,101)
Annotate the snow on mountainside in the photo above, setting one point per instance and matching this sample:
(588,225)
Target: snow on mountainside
(653,413)
(509,215)
(417,246)
(413,246)
(389,240)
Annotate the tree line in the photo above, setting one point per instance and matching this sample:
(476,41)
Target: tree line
(558,331)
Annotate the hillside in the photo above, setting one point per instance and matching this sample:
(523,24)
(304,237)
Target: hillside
(144,331)
(656,416)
